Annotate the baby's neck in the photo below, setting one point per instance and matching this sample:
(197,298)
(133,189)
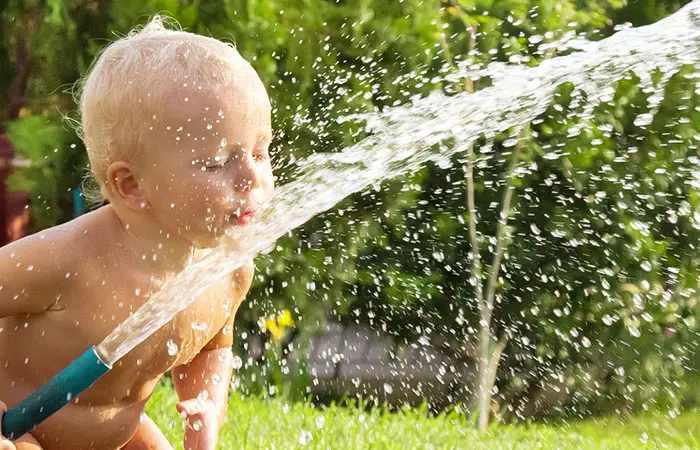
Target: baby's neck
(152,248)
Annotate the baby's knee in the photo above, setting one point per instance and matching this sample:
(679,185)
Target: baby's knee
(27,442)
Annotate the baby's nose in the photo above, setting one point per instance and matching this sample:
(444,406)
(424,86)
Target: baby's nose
(246,177)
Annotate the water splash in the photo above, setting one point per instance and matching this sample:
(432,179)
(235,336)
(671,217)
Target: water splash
(405,138)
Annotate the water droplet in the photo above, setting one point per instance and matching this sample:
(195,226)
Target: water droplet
(237,362)
(304,437)
(199,326)
(30,268)
(388,388)
(536,231)
(223,143)
(644,438)
(585,342)
(634,331)
(646,265)
(172,348)
(197,425)
(209,126)
(320,421)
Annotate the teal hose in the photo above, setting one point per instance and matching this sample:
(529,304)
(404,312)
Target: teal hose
(55,394)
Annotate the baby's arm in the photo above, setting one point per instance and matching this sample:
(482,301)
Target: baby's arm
(202,387)
(32,275)
(5,444)
(210,372)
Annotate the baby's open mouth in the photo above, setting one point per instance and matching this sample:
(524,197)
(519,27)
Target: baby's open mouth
(241,217)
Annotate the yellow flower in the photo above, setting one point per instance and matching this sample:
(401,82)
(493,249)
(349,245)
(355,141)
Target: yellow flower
(275,331)
(277,325)
(285,319)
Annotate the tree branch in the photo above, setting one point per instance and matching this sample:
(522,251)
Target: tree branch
(502,223)
(474,252)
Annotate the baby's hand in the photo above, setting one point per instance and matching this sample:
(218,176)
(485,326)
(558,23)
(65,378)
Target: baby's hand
(202,431)
(5,444)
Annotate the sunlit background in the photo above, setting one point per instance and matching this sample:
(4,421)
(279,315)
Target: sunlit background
(577,263)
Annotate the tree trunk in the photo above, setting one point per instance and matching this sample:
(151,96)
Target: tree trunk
(488,362)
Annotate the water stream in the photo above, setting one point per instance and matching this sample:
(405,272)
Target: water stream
(404,138)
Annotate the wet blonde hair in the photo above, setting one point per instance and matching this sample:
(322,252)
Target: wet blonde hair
(129,82)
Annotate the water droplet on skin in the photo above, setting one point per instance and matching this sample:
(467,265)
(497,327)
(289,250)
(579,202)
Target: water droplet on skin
(30,268)
(199,326)
(223,143)
(209,126)
(237,362)
(172,347)
(216,379)
(197,425)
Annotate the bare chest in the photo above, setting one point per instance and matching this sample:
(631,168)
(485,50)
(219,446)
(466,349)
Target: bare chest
(177,342)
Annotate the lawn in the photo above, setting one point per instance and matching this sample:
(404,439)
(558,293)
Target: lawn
(259,424)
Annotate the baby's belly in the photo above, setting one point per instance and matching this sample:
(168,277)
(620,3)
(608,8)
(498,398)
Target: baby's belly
(79,426)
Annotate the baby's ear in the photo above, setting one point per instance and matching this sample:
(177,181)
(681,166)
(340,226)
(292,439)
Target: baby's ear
(124,185)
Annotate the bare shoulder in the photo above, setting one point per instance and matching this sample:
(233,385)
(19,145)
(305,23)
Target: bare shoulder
(41,268)
(33,271)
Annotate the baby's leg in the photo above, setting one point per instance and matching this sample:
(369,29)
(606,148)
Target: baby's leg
(27,442)
(148,437)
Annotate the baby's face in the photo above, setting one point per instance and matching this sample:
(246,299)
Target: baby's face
(207,164)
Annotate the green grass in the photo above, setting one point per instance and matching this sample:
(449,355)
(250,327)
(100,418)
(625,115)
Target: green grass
(259,424)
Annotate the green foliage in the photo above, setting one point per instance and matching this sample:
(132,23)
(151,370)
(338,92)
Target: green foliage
(356,427)
(57,166)
(601,244)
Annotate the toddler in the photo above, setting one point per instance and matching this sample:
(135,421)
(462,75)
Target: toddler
(177,128)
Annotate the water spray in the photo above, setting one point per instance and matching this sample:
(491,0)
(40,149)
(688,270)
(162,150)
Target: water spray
(403,139)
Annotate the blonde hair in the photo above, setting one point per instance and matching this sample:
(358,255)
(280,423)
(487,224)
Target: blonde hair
(129,81)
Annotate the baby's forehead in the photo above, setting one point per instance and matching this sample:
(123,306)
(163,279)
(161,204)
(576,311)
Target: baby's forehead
(211,119)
